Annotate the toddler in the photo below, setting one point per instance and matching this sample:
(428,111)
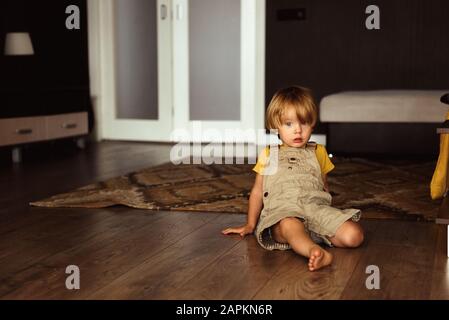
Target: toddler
(290,206)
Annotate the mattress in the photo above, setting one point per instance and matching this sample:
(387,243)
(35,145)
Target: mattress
(412,106)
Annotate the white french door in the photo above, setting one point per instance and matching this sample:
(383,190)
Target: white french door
(180,65)
(218,68)
(135,86)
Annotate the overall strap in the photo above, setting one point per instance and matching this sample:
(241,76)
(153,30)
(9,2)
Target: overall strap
(311,145)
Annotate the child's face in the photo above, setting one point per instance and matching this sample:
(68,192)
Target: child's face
(293,133)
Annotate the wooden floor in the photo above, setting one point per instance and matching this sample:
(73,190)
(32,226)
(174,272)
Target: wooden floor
(126,253)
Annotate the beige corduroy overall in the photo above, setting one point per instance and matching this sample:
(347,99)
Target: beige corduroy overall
(296,189)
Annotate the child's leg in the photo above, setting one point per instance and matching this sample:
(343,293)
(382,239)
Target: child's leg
(348,235)
(292,231)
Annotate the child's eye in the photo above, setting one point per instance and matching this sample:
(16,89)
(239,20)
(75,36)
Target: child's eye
(288,124)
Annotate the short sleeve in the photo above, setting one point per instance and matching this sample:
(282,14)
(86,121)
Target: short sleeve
(325,162)
(262,160)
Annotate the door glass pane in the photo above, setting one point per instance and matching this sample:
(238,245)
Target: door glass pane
(136,59)
(214,59)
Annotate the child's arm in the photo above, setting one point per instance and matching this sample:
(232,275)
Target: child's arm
(255,206)
(326,184)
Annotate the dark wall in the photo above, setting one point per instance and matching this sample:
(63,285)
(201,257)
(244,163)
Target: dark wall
(56,78)
(332,50)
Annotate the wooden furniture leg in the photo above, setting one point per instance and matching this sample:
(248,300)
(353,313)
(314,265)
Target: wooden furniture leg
(443,218)
(16,154)
(443,214)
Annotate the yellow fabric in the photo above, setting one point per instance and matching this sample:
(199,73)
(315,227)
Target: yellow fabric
(439,183)
(321,154)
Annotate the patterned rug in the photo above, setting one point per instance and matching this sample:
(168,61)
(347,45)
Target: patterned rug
(381,189)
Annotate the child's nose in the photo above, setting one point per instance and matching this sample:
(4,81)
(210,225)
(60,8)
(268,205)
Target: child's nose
(298,128)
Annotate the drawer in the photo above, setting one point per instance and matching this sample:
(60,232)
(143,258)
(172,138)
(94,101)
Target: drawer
(22,130)
(66,125)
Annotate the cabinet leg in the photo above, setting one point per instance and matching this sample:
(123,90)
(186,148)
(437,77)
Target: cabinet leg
(16,155)
(81,143)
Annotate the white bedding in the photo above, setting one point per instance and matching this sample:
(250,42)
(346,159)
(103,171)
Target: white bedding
(384,106)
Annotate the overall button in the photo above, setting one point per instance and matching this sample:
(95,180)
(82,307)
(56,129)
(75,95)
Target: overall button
(265,194)
(290,168)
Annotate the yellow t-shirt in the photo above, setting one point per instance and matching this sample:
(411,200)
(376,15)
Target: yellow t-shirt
(321,154)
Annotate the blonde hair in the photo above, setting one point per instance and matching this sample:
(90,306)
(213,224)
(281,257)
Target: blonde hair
(296,97)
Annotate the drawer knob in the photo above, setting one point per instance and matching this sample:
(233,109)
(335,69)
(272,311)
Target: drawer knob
(24,131)
(69,125)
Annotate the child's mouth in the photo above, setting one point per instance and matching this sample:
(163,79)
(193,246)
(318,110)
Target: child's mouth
(297,140)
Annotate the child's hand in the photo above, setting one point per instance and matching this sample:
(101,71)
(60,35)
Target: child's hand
(242,230)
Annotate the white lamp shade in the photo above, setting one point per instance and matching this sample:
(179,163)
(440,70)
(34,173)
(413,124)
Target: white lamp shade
(18,43)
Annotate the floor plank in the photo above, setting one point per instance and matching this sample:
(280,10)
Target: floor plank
(239,273)
(404,253)
(35,244)
(168,270)
(295,281)
(440,272)
(107,255)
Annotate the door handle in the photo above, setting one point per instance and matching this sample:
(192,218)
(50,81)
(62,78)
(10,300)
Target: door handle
(163,12)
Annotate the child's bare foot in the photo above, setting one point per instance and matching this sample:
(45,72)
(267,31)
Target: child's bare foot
(319,258)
